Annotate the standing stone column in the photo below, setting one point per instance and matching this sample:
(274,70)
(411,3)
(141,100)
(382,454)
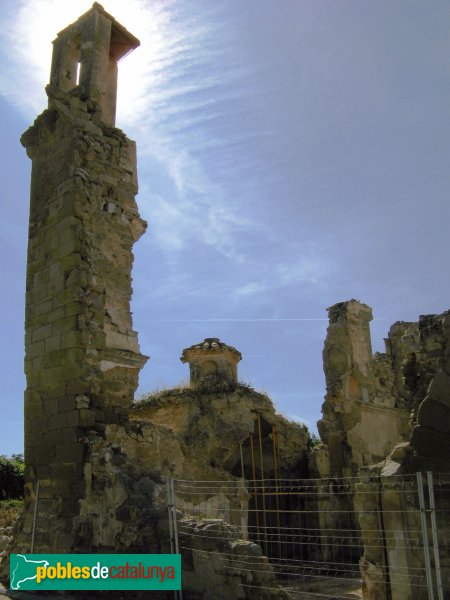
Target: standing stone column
(82,356)
(347,358)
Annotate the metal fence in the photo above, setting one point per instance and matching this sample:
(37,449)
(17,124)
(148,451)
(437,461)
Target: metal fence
(326,538)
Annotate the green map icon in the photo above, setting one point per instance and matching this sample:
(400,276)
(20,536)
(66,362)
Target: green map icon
(23,569)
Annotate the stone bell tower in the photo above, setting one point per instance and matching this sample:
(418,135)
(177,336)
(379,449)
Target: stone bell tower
(82,356)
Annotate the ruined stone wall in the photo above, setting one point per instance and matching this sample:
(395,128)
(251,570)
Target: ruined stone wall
(210,428)
(364,416)
(394,405)
(421,362)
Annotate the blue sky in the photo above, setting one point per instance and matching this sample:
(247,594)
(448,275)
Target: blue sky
(291,154)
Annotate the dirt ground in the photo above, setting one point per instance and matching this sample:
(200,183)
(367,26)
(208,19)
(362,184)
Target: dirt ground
(324,590)
(84,595)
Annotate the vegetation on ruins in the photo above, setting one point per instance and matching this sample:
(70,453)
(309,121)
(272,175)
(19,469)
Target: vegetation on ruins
(11,488)
(11,477)
(9,512)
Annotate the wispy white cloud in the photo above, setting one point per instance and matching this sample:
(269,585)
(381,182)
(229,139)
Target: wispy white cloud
(169,97)
(305,266)
(250,289)
(163,88)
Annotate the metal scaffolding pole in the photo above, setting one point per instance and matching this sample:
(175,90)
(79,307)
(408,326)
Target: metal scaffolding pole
(426,548)
(173,530)
(276,475)
(36,502)
(255,489)
(434,532)
(261,462)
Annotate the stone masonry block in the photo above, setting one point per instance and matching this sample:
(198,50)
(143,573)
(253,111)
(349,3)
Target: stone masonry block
(87,417)
(35,438)
(74,308)
(71,339)
(76,386)
(66,404)
(51,406)
(73,418)
(82,417)
(58,421)
(42,468)
(41,333)
(39,424)
(38,363)
(35,350)
(55,390)
(43,308)
(45,456)
(66,227)
(65,326)
(53,343)
(53,375)
(70,452)
(63,435)
(69,247)
(70,261)
(35,408)
(63,490)
(39,294)
(64,471)
(57,314)
(56,284)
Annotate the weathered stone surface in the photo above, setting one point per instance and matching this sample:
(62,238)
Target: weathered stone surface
(377,402)
(439,390)
(212,364)
(78,274)
(373,585)
(404,414)
(210,427)
(363,415)
(224,573)
(434,415)
(430,443)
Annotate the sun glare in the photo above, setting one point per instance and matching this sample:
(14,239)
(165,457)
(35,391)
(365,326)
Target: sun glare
(38,22)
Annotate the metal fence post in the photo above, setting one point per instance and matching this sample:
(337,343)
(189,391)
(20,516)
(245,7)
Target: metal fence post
(173,530)
(33,531)
(437,561)
(426,548)
(387,582)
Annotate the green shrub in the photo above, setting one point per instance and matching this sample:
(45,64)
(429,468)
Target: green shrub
(313,440)
(11,477)
(9,512)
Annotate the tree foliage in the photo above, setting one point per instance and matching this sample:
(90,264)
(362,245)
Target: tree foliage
(11,476)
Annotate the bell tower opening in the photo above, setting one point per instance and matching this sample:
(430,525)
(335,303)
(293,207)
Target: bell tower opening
(85,58)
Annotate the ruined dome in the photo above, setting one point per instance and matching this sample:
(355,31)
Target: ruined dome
(211,363)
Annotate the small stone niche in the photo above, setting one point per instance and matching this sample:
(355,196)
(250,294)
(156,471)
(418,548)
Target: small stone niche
(212,364)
